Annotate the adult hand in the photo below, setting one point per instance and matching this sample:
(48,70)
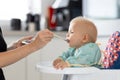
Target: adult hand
(42,38)
(19,43)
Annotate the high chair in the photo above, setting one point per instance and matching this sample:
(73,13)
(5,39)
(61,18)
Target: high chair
(86,73)
(111,63)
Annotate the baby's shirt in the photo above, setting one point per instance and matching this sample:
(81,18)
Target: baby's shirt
(87,55)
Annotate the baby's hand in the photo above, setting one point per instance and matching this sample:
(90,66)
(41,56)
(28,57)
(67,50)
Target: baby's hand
(56,61)
(61,65)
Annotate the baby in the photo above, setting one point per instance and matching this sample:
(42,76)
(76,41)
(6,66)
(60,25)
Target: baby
(83,51)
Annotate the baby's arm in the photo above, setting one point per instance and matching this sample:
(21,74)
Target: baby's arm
(60,62)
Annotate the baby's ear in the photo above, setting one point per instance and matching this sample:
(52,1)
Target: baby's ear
(85,38)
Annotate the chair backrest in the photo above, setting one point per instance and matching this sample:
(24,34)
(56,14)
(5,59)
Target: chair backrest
(111,58)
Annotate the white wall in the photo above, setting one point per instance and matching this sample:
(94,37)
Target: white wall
(45,5)
(107,27)
(98,9)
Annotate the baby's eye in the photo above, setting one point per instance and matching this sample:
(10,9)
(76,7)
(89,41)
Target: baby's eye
(71,32)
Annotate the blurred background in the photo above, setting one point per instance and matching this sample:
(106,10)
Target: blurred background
(56,14)
(25,17)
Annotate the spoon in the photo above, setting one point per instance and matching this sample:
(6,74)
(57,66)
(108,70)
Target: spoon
(55,35)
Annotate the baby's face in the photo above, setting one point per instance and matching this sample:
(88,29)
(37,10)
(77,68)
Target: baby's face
(74,36)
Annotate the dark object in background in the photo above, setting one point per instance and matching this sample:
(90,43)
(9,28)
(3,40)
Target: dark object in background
(61,12)
(37,21)
(62,19)
(30,18)
(16,24)
(75,8)
(34,19)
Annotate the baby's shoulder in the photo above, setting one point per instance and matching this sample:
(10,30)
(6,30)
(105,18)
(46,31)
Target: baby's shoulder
(90,45)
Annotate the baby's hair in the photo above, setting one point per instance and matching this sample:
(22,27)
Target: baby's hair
(89,27)
(81,19)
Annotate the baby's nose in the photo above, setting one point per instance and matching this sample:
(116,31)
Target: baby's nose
(67,35)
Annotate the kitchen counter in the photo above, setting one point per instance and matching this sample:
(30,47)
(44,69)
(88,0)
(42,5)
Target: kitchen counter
(24,33)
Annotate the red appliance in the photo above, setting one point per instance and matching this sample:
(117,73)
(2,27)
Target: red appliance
(51,19)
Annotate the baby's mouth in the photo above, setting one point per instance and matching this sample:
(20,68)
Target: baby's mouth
(67,40)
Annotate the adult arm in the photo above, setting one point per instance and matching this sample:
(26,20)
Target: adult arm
(12,56)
